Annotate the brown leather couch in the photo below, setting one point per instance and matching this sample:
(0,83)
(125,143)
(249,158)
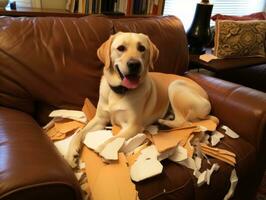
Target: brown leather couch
(50,63)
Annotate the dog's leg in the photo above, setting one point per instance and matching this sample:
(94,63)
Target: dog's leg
(95,124)
(178,121)
(187,105)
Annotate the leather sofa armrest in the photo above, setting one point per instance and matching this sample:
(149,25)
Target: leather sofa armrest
(240,108)
(30,166)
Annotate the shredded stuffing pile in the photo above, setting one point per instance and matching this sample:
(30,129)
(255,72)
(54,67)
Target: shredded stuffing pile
(140,157)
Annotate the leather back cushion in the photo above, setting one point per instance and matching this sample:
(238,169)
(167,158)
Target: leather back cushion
(50,60)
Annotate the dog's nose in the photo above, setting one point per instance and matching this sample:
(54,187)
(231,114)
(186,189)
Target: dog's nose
(133,66)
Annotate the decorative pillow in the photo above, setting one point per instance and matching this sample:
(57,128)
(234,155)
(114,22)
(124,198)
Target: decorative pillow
(240,38)
(254,16)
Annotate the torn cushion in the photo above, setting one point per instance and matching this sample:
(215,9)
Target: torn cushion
(234,39)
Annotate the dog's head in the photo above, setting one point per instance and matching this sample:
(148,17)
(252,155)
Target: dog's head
(127,58)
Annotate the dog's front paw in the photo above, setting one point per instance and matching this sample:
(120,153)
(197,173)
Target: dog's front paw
(72,157)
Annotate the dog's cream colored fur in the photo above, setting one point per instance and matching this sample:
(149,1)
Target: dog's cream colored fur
(146,104)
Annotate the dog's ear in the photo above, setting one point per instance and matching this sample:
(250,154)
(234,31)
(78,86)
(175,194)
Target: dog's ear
(104,53)
(154,53)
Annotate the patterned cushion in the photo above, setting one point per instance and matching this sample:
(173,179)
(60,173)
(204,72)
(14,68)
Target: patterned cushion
(240,38)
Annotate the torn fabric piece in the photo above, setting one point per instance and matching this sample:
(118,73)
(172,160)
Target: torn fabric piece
(63,145)
(146,165)
(132,143)
(108,181)
(216,137)
(233,180)
(95,139)
(65,126)
(69,114)
(220,154)
(205,176)
(230,132)
(179,154)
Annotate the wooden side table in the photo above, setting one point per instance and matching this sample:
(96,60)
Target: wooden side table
(222,65)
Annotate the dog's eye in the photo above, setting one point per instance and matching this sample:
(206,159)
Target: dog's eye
(141,48)
(121,48)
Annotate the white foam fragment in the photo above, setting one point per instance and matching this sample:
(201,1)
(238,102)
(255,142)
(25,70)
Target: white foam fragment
(95,139)
(216,137)
(166,154)
(198,161)
(202,178)
(131,144)
(70,114)
(196,171)
(230,132)
(189,163)
(152,129)
(233,180)
(64,145)
(148,163)
(214,167)
(79,175)
(145,168)
(205,139)
(205,176)
(150,151)
(179,154)
(82,165)
(110,151)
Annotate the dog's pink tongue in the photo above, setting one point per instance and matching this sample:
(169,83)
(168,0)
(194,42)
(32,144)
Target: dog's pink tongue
(130,83)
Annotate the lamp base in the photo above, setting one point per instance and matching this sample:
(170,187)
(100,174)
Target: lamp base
(199,34)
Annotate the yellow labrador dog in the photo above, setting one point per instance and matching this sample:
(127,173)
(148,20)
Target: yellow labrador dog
(133,98)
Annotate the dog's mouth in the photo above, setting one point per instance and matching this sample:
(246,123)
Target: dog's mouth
(130,81)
